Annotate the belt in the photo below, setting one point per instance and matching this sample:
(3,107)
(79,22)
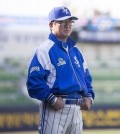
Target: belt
(74,102)
(68,96)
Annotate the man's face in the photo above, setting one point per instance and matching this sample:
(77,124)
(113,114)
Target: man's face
(62,29)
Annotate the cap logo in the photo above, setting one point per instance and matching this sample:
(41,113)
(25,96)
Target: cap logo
(65,10)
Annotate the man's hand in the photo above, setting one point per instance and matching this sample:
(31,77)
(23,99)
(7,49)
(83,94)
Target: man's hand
(59,104)
(87,102)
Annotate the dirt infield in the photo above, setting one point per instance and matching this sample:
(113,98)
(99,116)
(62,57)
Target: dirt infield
(101,131)
(21,132)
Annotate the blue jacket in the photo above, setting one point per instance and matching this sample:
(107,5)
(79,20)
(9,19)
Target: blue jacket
(55,71)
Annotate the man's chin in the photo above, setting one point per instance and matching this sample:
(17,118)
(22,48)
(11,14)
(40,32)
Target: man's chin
(67,35)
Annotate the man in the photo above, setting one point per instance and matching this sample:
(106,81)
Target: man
(58,76)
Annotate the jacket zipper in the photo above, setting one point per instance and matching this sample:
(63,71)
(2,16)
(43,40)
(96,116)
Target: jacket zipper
(74,71)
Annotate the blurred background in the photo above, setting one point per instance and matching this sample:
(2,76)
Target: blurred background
(24,26)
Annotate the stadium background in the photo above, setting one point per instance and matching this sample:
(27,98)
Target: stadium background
(98,37)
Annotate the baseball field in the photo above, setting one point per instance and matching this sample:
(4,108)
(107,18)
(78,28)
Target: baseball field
(108,131)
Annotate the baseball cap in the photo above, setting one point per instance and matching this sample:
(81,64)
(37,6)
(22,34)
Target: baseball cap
(60,13)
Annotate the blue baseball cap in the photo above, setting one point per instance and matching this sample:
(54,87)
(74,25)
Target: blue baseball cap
(60,13)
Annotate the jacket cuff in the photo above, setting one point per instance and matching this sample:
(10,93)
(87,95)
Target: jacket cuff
(90,96)
(50,99)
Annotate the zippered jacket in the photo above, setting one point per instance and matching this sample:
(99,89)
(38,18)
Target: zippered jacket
(55,71)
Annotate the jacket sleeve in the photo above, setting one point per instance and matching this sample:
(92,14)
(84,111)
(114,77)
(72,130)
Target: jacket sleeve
(36,81)
(88,80)
(87,77)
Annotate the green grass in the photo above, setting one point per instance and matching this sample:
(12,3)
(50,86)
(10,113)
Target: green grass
(106,84)
(8,76)
(7,89)
(15,100)
(105,74)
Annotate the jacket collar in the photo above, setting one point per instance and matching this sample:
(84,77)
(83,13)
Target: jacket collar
(70,42)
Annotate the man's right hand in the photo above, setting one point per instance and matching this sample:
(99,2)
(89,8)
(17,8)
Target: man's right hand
(59,104)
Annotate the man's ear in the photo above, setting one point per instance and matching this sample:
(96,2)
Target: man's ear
(51,25)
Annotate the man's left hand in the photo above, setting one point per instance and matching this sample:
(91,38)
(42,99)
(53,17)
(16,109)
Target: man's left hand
(87,102)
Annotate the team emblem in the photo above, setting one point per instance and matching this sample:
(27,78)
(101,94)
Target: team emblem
(65,10)
(76,61)
(61,62)
(34,69)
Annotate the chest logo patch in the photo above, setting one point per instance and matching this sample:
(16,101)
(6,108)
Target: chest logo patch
(61,62)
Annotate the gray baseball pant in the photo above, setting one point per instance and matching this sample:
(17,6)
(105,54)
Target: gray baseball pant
(65,121)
